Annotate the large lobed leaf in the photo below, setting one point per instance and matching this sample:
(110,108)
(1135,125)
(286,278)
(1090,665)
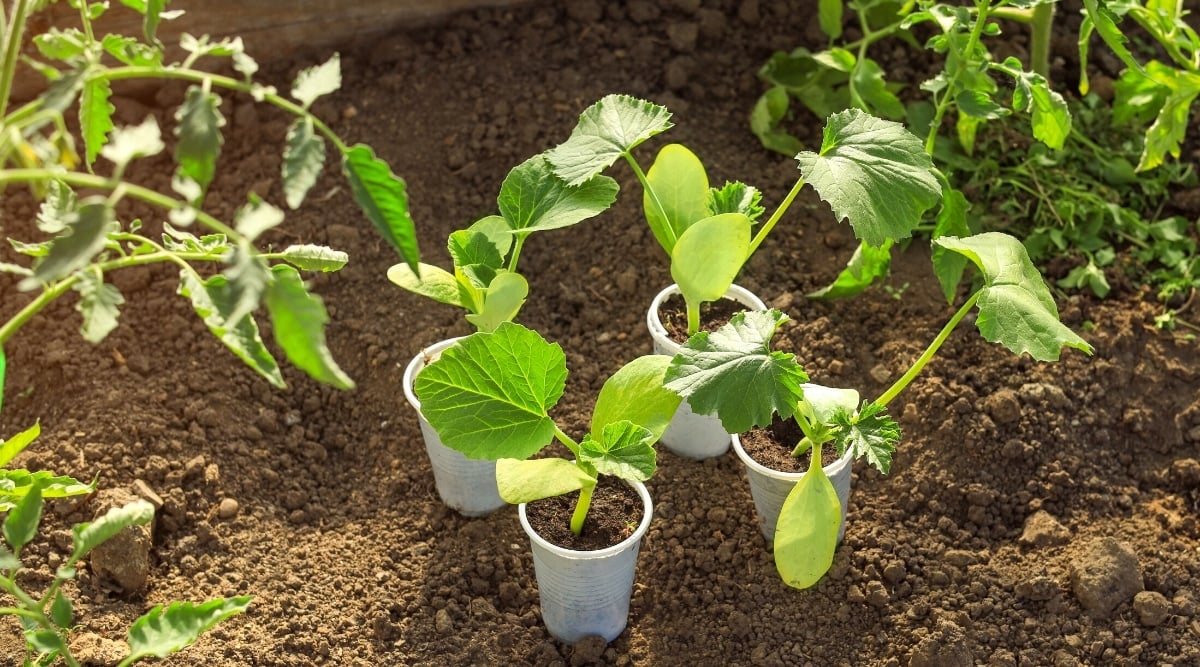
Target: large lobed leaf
(870,433)
(165,630)
(873,172)
(532,198)
(733,373)
(608,129)
(383,198)
(488,397)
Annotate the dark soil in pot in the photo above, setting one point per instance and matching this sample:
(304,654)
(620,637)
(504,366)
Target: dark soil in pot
(772,447)
(713,315)
(615,512)
(1009,475)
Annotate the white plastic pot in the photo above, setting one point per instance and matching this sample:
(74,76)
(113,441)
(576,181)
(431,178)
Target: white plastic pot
(770,488)
(467,486)
(586,593)
(692,435)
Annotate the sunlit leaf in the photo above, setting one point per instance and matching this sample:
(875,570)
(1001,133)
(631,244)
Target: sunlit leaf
(678,194)
(199,133)
(382,197)
(313,82)
(165,630)
(308,257)
(636,393)
(299,320)
(61,44)
(133,141)
(16,444)
(255,217)
(806,533)
(86,235)
(95,116)
(20,526)
(624,450)
(736,197)
(99,304)
(303,159)
(608,129)
(502,300)
(57,207)
(432,282)
(532,198)
(213,301)
(708,256)
(870,433)
(1051,117)
(527,481)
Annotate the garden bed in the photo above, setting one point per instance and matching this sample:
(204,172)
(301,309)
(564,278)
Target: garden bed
(339,535)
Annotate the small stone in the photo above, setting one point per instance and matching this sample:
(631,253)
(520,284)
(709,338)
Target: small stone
(1194,434)
(877,595)
(1038,589)
(1003,406)
(895,572)
(880,373)
(1043,530)
(123,561)
(442,622)
(959,557)
(1152,608)
(1105,575)
(212,474)
(227,509)
(588,651)
(944,647)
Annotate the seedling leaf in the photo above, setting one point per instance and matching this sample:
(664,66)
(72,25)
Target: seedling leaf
(213,301)
(608,129)
(470,248)
(61,611)
(1051,118)
(733,373)
(313,82)
(866,265)
(88,536)
(829,16)
(806,533)
(873,172)
(502,300)
(309,257)
(433,282)
(299,320)
(15,484)
(679,190)
(163,631)
(489,396)
(532,198)
(16,444)
(870,433)
(735,197)
(303,159)
(708,256)
(624,450)
(768,112)
(20,526)
(98,303)
(199,132)
(636,393)
(95,116)
(526,481)
(256,217)
(86,235)
(382,197)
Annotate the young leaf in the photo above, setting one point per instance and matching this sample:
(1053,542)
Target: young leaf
(3,370)
(16,444)
(299,320)
(85,237)
(213,301)
(303,159)
(132,52)
(870,433)
(95,116)
(61,611)
(527,481)
(56,209)
(1166,134)
(64,45)
(829,16)
(608,129)
(822,404)
(489,396)
(496,229)
(20,526)
(806,533)
(15,484)
(134,141)
(532,198)
(502,300)
(866,265)
(248,277)
(708,256)
(88,536)
(1105,23)
(432,282)
(474,248)
(98,303)
(314,82)
(734,374)
(152,16)
(735,197)
(636,393)
(872,90)
(310,257)
(382,197)
(678,194)
(951,221)
(873,172)
(1015,306)
(1051,118)
(163,631)
(256,217)
(624,450)
(199,132)
(768,113)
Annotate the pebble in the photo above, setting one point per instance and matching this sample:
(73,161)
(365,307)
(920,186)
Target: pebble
(1043,530)
(1152,608)
(227,509)
(944,647)
(1003,406)
(442,622)
(1105,575)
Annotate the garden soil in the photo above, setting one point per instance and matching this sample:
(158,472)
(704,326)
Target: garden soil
(1036,514)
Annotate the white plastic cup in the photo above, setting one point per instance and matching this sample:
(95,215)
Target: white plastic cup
(465,485)
(770,488)
(692,435)
(587,593)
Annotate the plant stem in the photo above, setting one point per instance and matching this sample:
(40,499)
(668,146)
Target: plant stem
(1041,25)
(12,49)
(581,509)
(566,440)
(925,357)
(770,223)
(693,317)
(518,243)
(982,9)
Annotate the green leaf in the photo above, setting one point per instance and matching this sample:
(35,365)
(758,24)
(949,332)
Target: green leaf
(1166,135)
(608,129)
(870,433)
(314,82)
(213,301)
(496,229)
(303,159)
(86,235)
(88,536)
(57,207)
(769,111)
(3,370)
(735,197)
(310,257)
(432,282)
(46,642)
(821,404)
(62,45)
(806,533)
(134,141)
(872,90)
(951,221)
(502,300)
(474,248)
(527,481)
(873,172)
(248,278)
(532,198)
(708,256)
(98,303)
(1051,117)
(95,116)
(829,16)
(866,265)
(199,133)
(678,194)
(15,484)
(734,374)
(16,444)
(132,52)
(1087,275)
(61,611)
(163,631)
(978,104)
(153,15)
(8,562)
(382,197)
(177,240)
(255,217)
(636,393)
(624,450)
(489,396)
(1105,23)
(1015,306)
(21,524)
(62,92)
(299,320)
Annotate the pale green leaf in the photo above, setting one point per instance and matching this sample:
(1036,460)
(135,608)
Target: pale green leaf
(608,129)
(15,484)
(95,116)
(866,265)
(313,82)
(732,373)
(806,533)
(678,194)
(98,303)
(1166,135)
(132,52)
(255,217)
(213,301)
(502,300)
(489,396)
(57,207)
(951,221)
(16,444)
(526,481)
(299,320)
(735,197)
(382,197)
(496,229)
(86,235)
(872,90)
(248,276)
(61,44)
(708,256)
(822,404)
(1050,117)
(61,611)
(199,132)
(21,524)
(829,17)
(303,159)
(308,257)
(624,450)
(88,536)
(873,172)
(133,141)
(163,631)
(769,111)
(532,198)
(432,282)
(636,393)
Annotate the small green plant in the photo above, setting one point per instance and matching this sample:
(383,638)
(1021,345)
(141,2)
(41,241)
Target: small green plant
(871,171)
(490,395)
(485,281)
(732,373)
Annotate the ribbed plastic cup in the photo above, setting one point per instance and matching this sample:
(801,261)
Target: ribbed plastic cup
(465,485)
(587,593)
(770,488)
(692,435)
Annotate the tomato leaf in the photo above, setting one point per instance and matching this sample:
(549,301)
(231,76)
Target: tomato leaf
(199,132)
(85,236)
(95,116)
(313,82)
(98,303)
(383,198)
(166,630)
(299,320)
(303,159)
(213,301)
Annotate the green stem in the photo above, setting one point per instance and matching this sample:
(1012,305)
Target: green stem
(581,509)
(814,460)
(693,317)
(566,440)
(916,368)
(983,7)
(1040,28)
(518,243)
(666,232)
(770,223)
(12,50)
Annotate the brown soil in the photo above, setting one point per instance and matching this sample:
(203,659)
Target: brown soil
(773,446)
(339,535)
(672,313)
(614,514)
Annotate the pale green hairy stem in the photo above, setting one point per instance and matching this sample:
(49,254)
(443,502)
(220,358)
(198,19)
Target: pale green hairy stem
(662,211)
(928,354)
